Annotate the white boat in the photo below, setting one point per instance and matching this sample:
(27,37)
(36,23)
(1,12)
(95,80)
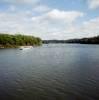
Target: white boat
(25,47)
(21,48)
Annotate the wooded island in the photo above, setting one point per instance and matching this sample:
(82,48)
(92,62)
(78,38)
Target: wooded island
(14,41)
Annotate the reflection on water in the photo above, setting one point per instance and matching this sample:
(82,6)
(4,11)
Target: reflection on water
(50,72)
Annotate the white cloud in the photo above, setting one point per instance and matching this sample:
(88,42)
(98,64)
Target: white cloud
(86,29)
(54,24)
(93,4)
(18,2)
(91,26)
(48,25)
(68,16)
(41,8)
(56,16)
(12,8)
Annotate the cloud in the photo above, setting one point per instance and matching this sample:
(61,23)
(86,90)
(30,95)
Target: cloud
(68,16)
(47,25)
(12,8)
(56,15)
(55,22)
(93,4)
(41,9)
(87,28)
(20,2)
(51,24)
(13,22)
(91,26)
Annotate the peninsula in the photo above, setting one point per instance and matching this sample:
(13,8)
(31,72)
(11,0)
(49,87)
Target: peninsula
(14,41)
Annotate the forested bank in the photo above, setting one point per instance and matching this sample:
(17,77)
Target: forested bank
(12,41)
(91,40)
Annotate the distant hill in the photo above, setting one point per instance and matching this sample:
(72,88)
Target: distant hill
(91,40)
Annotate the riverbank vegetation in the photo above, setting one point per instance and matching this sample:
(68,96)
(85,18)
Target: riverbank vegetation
(14,41)
(91,40)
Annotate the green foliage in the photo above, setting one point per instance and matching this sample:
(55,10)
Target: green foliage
(92,40)
(19,40)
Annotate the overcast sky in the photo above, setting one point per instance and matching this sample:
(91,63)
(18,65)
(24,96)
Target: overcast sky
(50,19)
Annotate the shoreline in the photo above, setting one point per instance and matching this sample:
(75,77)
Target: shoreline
(4,47)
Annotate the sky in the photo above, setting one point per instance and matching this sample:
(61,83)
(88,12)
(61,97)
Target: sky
(50,19)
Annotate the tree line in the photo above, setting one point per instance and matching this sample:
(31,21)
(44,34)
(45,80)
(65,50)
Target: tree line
(7,40)
(91,40)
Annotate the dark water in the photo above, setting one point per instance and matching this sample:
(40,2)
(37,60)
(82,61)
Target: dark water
(50,72)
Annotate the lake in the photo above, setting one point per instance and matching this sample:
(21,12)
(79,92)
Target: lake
(50,72)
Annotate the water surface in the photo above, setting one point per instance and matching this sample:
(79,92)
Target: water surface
(50,72)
